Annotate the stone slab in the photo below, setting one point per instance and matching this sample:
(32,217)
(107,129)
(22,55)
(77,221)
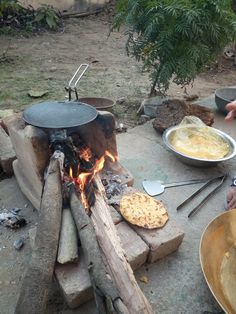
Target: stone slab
(7,153)
(161,242)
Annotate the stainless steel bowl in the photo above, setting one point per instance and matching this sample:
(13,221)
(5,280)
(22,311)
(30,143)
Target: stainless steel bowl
(223,96)
(197,162)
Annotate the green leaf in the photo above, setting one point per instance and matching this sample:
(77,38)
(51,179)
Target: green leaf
(50,22)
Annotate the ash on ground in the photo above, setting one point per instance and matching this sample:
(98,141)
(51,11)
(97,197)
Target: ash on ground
(113,186)
(10,218)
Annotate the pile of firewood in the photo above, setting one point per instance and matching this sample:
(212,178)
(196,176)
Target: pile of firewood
(114,285)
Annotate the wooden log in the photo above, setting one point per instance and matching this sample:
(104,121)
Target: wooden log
(68,243)
(110,245)
(37,280)
(106,295)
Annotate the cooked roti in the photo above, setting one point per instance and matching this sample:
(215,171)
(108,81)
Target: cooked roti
(144,211)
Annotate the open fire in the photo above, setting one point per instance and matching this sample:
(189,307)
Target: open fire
(83,180)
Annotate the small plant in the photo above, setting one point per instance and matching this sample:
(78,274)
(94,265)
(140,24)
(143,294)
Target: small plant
(14,16)
(46,15)
(175,39)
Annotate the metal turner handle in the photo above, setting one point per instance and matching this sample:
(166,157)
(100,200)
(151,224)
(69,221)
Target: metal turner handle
(181,183)
(74,80)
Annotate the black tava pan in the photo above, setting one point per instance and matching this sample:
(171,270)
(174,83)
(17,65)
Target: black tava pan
(61,114)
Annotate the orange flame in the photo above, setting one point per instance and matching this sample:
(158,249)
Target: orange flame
(71,173)
(113,158)
(85,154)
(83,177)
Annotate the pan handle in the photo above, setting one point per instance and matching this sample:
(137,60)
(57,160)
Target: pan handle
(75,79)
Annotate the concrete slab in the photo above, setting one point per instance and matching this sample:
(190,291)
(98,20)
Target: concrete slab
(175,283)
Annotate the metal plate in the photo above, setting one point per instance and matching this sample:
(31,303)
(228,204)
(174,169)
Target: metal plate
(59,114)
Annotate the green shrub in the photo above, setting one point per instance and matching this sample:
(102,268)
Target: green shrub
(46,15)
(175,39)
(14,16)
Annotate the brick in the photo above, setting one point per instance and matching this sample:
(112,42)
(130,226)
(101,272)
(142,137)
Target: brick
(74,279)
(7,153)
(74,282)
(163,241)
(116,217)
(136,249)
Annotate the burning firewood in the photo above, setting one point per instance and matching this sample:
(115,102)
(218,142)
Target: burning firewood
(106,294)
(110,245)
(37,280)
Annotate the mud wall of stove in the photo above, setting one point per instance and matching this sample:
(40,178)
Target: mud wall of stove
(31,145)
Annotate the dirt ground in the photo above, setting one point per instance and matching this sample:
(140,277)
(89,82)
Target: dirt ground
(45,63)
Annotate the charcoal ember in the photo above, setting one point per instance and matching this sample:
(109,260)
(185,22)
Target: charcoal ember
(104,182)
(85,166)
(90,194)
(109,172)
(172,111)
(114,189)
(116,178)
(11,220)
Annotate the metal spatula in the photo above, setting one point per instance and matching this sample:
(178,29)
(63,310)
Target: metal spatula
(156,187)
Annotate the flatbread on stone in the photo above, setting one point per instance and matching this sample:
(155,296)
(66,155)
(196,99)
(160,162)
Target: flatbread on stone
(144,211)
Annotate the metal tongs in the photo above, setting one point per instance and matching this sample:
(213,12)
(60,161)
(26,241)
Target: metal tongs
(205,199)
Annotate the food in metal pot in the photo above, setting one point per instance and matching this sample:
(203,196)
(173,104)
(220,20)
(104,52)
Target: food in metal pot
(201,143)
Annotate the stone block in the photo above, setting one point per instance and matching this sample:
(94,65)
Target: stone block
(116,217)
(32,195)
(74,282)
(7,153)
(32,151)
(135,248)
(161,241)
(74,279)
